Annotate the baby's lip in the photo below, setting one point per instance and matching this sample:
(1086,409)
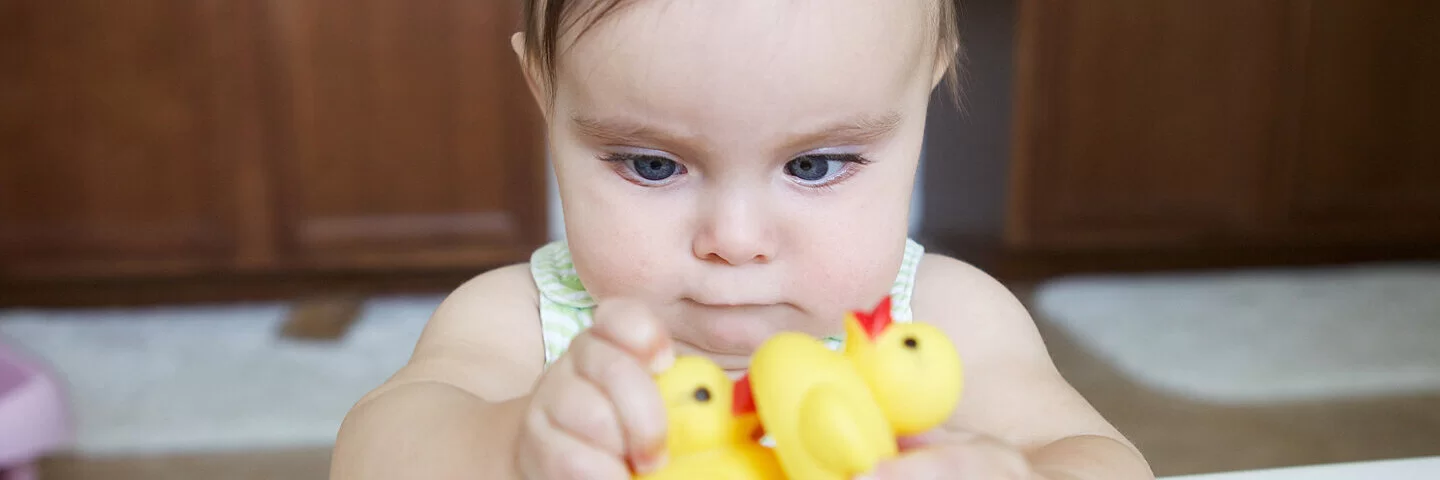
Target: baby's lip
(731,303)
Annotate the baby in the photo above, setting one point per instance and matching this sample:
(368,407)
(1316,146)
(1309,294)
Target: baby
(728,170)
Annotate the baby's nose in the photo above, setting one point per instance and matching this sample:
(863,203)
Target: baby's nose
(735,234)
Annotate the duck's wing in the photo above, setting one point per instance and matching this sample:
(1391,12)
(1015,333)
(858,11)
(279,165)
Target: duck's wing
(834,430)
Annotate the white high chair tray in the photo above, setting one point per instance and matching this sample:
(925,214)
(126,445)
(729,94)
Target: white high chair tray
(1426,468)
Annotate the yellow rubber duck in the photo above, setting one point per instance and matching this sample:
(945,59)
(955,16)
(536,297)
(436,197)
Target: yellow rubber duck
(836,415)
(707,439)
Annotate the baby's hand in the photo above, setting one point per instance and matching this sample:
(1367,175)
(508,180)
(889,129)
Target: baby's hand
(941,454)
(597,408)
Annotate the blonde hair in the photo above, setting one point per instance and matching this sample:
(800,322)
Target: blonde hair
(546,20)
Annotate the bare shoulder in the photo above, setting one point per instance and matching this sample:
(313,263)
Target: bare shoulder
(484,338)
(974,307)
(1013,390)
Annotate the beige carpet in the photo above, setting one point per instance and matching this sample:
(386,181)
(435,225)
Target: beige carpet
(168,380)
(1260,336)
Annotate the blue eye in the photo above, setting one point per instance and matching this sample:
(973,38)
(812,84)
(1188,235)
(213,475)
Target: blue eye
(653,168)
(644,170)
(810,169)
(818,169)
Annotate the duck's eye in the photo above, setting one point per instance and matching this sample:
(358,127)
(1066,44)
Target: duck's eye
(911,343)
(702,394)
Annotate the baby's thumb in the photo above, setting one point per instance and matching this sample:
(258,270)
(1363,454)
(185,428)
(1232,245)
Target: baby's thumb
(957,457)
(919,465)
(633,327)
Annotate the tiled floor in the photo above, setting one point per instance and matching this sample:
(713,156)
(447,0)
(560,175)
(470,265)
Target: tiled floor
(1177,436)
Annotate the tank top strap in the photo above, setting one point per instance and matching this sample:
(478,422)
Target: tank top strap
(565,306)
(904,287)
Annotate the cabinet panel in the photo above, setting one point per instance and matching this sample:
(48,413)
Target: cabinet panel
(1369,156)
(409,127)
(106,138)
(1144,123)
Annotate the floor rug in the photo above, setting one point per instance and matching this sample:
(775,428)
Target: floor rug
(1260,336)
(161,380)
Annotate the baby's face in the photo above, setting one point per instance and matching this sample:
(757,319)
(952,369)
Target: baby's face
(744,166)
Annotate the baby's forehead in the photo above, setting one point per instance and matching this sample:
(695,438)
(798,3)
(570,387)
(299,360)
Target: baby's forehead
(892,27)
(709,58)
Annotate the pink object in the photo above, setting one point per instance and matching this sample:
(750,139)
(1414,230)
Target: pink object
(33,416)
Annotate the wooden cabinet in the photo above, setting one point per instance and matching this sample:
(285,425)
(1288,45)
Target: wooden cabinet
(108,135)
(1145,122)
(1367,164)
(408,133)
(1175,126)
(170,138)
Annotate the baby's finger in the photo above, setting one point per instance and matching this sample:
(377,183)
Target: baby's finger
(960,456)
(550,453)
(635,329)
(583,410)
(632,391)
(934,436)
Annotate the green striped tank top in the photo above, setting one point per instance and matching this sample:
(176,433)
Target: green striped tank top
(565,307)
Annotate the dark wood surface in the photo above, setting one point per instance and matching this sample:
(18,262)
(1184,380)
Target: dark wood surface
(1368,162)
(1141,122)
(399,132)
(164,139)
(1220,130)
(227,287)
(108,134)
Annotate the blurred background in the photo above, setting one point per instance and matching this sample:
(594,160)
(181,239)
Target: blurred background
(223,221)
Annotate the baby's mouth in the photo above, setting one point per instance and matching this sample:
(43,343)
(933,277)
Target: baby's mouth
(731,304)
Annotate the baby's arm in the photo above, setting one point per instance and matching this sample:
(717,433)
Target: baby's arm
(1014,398)
(454,411)
(475,401)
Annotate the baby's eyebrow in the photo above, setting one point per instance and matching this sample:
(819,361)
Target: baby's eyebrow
(857,129)
(623,131)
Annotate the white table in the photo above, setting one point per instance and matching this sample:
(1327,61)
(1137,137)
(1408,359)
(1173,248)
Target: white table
(1426,468)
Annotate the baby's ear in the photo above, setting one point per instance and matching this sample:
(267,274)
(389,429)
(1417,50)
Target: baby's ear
(948,63)
(517,43)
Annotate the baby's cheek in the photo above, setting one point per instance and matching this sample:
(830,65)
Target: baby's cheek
(848,279)
(848,257)
(622,276)
(616,264)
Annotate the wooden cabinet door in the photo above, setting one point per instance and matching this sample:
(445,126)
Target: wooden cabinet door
(1368,162)
(409,136)
(110,147)
(1144,123)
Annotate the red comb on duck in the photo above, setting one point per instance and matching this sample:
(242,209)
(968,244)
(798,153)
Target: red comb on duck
(877,320)
(742,401)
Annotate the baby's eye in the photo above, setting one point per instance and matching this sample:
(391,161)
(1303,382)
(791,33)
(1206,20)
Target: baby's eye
(822,169)
(654,168)
(648,170)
